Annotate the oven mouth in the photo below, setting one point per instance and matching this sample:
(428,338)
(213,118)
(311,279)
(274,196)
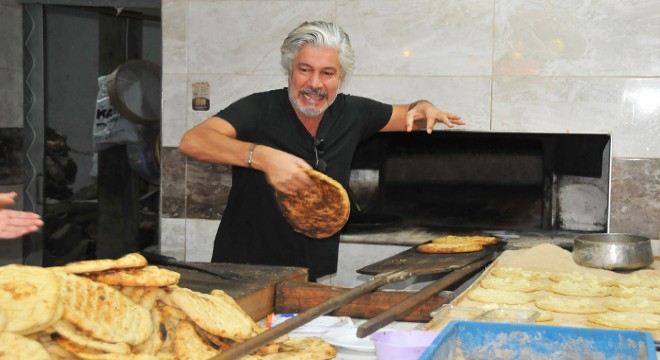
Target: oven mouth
(478,181)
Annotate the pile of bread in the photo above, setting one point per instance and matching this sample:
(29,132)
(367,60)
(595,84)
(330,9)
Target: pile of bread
(625,302)
(125,309)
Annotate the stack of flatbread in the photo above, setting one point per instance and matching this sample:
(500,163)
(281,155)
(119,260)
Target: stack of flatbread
(452,244)
(125,309)
(574,296)
(609,302)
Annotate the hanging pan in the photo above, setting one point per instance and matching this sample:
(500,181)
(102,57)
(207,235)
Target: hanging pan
(135,89)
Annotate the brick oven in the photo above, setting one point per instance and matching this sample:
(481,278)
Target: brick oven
(488,182)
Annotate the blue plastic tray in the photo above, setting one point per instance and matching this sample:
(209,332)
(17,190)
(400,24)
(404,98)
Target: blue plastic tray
(481,340)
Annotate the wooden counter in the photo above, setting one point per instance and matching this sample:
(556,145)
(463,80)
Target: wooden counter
(263,289)
(254,292)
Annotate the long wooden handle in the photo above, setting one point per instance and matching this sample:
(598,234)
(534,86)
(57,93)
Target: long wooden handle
(252,344)
(407,305)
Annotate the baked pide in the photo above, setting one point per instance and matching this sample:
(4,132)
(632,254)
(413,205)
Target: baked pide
(634,305)
(18,347)
(627,320)
(190,346)
(637,280)
(498,296)
(54,313)
(570,305)
(218,314)
(581,289)
(451,244)
(148,276)
(103,312)
(516,272)
(637,291)
(318,211)
(514,284)
(29,298)
(433,248)
(132,260)
(585,278)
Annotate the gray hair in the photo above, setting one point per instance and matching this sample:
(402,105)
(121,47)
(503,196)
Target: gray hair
(318,33)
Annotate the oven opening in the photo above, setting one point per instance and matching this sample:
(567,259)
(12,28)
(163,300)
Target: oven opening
(475,181)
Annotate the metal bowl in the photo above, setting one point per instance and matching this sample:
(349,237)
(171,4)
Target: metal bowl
(612,251)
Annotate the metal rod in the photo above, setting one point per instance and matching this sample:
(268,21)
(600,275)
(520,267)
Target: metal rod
(407,305)
(254,343)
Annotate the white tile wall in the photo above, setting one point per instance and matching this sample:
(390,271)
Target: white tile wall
(577,38)
(203,232)
(173,26)
(173,237)
(626,108)
(419,37)
(226,89)
(244,37)
(175,104)
(516,65)
(467,96)
(560,67)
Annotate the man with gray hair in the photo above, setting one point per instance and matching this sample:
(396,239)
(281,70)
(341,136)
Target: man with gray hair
(271,137)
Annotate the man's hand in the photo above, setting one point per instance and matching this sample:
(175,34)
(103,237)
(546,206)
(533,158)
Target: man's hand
(283,170)
(425,111)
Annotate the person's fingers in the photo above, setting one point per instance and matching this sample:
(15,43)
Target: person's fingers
(17,222)
(7,199)
(430,123)
(17,214)
(12,232)
(455,119)
(409,122)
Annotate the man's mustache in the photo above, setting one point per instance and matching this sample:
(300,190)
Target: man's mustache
(311,91)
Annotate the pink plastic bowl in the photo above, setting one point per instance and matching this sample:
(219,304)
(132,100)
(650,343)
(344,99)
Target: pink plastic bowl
(402,344)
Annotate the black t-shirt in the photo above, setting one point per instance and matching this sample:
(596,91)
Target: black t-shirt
(253,229)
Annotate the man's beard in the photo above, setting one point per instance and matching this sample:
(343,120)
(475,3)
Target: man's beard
(307,111)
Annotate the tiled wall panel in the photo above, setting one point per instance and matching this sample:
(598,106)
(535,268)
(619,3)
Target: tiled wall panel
(516,65)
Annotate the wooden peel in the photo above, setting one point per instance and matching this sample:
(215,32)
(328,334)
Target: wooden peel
(250,345)
(428,264)
(402,308)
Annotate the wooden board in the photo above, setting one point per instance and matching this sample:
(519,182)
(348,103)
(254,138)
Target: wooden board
(254,292)
(296,297)
(419,263)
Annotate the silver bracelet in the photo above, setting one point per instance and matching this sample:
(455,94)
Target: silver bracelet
(250,154)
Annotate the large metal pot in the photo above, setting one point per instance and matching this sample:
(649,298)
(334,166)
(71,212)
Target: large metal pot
(612,251)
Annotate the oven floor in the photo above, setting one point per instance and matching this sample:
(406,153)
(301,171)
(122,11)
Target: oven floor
(411,235)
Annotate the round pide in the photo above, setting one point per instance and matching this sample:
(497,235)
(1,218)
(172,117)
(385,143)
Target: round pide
(29,298)
(318,211)
(103,312)
(147,276)
(18,347)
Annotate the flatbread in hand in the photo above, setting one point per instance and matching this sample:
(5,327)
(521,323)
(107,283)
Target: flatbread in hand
(319,211)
